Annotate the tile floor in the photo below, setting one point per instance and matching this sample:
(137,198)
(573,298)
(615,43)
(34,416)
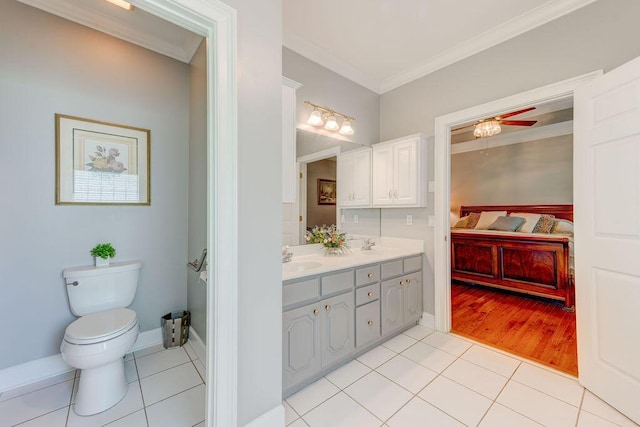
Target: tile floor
(166,388)
(426,378)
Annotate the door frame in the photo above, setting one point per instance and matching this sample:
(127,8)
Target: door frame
(442,175)
(217,22)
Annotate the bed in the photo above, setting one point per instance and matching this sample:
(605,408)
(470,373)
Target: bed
(528,263)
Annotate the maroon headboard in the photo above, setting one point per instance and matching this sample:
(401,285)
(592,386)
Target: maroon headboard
(559,211)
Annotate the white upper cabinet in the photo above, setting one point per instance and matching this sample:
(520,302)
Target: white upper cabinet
(354,178)
(289,165)
(399,172)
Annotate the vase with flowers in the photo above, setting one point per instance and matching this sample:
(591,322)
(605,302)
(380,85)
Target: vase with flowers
(333,240)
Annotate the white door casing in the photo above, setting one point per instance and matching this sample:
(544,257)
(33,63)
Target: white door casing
(607,226)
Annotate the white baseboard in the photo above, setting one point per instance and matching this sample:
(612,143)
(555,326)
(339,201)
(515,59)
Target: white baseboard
(273,418)
(428,320)
(197,345)
(51,366)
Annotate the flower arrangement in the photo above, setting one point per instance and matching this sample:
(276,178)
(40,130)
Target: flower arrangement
(103,250)
(333,240)
(105,161)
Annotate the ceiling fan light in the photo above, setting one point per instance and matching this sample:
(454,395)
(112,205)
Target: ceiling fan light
(332,123)
(346,128)
(315,119)
(487,128)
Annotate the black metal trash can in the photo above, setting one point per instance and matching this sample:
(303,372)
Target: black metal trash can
(175,328)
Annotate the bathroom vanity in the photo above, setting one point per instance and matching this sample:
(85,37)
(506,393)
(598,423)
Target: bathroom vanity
(337,307)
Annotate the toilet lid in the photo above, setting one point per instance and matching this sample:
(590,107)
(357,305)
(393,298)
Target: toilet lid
(100,326)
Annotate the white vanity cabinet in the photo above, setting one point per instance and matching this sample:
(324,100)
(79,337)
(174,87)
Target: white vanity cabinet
(401,296)
(289,122)
(399,172)
(353,174)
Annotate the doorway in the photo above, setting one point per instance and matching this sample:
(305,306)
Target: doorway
(444,124)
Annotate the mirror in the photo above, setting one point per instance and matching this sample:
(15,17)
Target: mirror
(315,205)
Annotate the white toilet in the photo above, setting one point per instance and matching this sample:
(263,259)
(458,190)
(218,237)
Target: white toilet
(106,331)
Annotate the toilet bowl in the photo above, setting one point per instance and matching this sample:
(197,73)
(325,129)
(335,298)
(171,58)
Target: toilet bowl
(96,344)
(105,331)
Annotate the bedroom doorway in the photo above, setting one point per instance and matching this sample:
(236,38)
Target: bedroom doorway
(560,93)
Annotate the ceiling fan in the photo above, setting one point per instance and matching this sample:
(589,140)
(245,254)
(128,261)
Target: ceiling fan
(491,126)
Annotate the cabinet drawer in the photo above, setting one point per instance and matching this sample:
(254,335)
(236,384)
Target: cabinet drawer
(337,282)
(367,294)
(300,291)
(391,269)
(413,264)
(367,275)
(367,323)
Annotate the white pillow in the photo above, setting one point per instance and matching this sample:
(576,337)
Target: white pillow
(530,222)
(562,226)
(487,218)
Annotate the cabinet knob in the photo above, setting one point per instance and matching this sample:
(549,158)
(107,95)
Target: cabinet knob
(370,275)
(401,283)
(327,307)
(370,323)
(408,282)
(316,311)
(390,196)
(370,294)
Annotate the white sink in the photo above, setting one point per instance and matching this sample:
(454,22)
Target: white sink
(296,267)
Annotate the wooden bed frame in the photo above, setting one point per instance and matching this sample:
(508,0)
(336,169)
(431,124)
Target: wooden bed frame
(530,264)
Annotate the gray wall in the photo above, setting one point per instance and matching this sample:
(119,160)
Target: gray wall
(259,213)
(196,289)
(324,87)
(319,214)
(535,172)
(50,65)
(602,35)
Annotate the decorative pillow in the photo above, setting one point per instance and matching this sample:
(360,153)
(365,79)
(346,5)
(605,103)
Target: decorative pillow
(530,223)
(462,222)
(562,226)
(474,217)
(487,218)
(506,223)
(545,224)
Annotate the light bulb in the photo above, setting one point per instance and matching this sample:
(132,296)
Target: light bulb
(332,123)
(346,128)
(487,128)
(315,119)
(122,4)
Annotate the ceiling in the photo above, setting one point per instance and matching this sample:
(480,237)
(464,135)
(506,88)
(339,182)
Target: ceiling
(383,44)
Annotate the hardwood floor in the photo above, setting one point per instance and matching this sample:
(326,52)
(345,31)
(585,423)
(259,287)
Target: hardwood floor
(529,327)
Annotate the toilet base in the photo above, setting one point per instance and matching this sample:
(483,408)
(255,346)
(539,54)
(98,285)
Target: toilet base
(100,388)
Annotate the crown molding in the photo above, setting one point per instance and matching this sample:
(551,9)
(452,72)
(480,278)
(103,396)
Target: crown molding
(327,60)
(537,17)
(108,25)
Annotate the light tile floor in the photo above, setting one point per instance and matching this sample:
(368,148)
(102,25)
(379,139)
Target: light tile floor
(426,378)
(166,388)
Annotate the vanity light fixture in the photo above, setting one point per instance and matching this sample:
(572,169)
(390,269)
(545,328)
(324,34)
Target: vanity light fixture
(323,116)
(486,128)
(123,4)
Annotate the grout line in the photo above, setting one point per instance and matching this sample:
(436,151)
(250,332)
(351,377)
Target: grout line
(164,370)
(173,395)
(75,374)
(144,405)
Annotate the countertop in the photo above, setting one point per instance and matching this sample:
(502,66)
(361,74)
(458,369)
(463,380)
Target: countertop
(305,258)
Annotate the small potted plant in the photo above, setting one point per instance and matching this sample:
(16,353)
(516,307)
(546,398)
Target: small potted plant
(333,240)
(102,253)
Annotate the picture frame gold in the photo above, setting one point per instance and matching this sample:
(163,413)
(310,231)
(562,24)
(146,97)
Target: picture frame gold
(326,191)
(101,163)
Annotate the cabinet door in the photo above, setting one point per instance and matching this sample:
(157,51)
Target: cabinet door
(367,323)
(301,344)
(337,328)
(344,178)
(382,173)
(405,173)
(392,305)
(361,182)
(412,295)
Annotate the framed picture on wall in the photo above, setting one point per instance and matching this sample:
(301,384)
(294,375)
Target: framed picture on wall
(326,191)
(100,163)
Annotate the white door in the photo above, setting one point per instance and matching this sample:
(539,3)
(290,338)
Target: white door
(607,233)
(405,173)
(290,224)
(344,178)
(382,173)
(361,179)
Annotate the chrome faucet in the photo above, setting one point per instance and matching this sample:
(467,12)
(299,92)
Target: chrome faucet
(286,254)
(368,243)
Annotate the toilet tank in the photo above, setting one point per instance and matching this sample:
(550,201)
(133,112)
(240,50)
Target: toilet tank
(93,289)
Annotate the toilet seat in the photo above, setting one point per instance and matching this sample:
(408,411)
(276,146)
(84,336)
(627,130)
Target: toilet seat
(100,327)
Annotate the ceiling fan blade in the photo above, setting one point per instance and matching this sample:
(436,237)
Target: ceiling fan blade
(518,122)
(513,113)
(463,127)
